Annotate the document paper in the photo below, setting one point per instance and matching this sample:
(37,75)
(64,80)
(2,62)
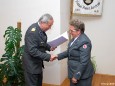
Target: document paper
(59,40)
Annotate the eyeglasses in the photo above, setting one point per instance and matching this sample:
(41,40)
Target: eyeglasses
(72,30)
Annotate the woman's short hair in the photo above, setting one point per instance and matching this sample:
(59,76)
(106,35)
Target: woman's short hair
(78,25)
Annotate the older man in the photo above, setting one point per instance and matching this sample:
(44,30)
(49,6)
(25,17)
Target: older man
(35,50)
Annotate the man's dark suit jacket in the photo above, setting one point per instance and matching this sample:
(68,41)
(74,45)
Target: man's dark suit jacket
(79,54)
(35,49)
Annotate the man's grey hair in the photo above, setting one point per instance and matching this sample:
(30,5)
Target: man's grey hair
(45,18)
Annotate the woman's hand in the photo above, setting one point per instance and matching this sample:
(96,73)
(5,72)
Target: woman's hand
(74,80)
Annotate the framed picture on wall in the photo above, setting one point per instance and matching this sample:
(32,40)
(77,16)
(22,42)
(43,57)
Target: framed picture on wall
(87,7)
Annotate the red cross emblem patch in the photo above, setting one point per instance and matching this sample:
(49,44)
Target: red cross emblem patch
(84,46)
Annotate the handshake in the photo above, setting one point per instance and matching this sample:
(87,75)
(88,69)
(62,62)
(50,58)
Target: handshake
(53,57)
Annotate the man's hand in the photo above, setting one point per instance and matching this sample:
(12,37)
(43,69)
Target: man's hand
(53,48)
(74,80)
(53,57)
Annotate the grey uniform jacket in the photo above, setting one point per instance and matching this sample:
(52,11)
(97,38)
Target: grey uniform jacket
(79,54)
(35,49)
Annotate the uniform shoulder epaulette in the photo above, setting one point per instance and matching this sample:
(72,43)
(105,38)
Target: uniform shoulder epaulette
(33,29)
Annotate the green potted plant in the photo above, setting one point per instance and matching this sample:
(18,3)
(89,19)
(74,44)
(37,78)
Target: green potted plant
(94,63)
(11,72)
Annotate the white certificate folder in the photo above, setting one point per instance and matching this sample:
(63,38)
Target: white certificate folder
(59,40)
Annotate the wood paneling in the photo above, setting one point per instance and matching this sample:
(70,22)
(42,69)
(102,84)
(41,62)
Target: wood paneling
(103,80)
(98,80)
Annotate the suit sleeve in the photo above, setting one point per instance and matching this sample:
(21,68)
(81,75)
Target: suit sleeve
(85,50)
(31,44)
(63,55)
(48,47)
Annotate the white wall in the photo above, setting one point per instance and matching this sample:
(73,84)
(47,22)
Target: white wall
(62,65)
(65,17)
(101,31)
